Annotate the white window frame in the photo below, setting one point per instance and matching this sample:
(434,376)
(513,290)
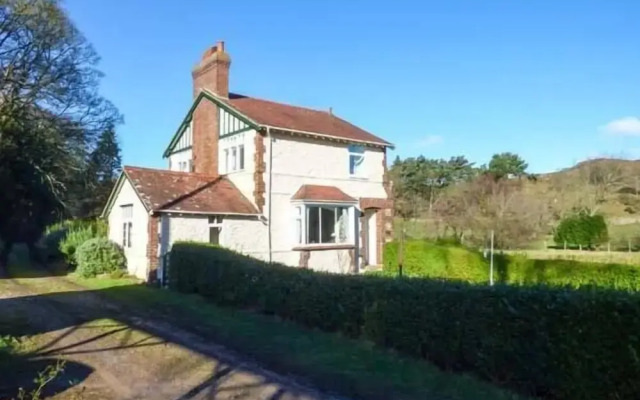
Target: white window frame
(301,223)
(234,158)
(215,222)
(241,159)
(126,212)
(356,152)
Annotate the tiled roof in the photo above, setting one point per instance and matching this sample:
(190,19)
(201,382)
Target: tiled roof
(322,193)
(295,118)
(163,190)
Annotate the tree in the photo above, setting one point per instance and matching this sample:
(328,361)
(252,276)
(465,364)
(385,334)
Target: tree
(50,115)
(507,165)
(582,229)
(104,166)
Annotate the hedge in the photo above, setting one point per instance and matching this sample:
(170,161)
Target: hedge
(232,279)
(429,260)
(548,342)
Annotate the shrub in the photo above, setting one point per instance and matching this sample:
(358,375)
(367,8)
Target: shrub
(548,342)
(583,230)
(63,238)
(99,256)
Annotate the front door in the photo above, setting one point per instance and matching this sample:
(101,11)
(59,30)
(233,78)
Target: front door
(370,239)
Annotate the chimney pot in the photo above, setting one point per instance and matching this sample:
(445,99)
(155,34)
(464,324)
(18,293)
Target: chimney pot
(220,46)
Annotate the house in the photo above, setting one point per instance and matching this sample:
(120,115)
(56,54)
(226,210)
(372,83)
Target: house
(274,181)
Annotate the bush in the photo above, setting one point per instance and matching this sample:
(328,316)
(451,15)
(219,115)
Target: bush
(63,238)
(553,343)
(99,256)
(583,230)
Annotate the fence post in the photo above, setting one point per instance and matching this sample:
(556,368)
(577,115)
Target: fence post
(629,242)
(608,247)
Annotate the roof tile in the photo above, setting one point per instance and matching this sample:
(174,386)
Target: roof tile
(288,117)
(322,193)
(163,190)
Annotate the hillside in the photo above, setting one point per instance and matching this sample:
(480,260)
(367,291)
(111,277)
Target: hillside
(606,185)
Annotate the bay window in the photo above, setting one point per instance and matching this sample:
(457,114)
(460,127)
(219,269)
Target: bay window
(322,224)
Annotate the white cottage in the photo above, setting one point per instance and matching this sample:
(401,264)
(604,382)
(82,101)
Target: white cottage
(277,182)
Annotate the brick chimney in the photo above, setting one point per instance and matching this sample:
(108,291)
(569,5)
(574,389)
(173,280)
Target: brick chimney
(211,73)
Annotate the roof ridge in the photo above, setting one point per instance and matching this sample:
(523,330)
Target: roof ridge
(281,103)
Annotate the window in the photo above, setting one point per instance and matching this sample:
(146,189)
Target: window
(215,227)
(322,224)
(298,223)
(234,158)
(190,165)
(127,224)
(356,160)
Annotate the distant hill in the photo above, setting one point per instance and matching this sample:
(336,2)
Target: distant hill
(610,185)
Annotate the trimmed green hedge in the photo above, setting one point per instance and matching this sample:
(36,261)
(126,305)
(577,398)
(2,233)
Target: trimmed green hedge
(428,260)
(309,298)
(520,270)
(549,342)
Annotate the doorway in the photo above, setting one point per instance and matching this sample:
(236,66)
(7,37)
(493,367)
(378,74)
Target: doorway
(370,237)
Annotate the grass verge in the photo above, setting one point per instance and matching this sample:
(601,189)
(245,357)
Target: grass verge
(349,367)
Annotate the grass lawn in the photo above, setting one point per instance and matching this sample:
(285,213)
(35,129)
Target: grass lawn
(345,366)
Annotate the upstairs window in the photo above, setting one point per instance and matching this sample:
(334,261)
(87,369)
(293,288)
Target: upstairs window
(241,157)
(356,160)
(234,159)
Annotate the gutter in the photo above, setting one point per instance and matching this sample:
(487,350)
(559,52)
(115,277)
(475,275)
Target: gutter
(270,166)
(337,138)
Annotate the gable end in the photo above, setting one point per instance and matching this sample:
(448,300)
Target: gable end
(247,122)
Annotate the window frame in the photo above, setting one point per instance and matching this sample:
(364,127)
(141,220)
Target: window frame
(240,157)
(301,223)
(126,213)
(215,222)
(356,151)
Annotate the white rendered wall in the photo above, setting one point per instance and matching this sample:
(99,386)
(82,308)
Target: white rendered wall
(137,261)
(181,156)
(243,234)
(298,162)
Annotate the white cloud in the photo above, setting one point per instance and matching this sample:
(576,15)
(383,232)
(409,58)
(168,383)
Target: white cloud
(430,140)
(627,126)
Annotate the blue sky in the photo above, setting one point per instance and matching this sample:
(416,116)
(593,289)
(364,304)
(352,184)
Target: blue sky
(555,81)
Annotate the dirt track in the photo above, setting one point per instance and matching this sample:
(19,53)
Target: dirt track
(112,354)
